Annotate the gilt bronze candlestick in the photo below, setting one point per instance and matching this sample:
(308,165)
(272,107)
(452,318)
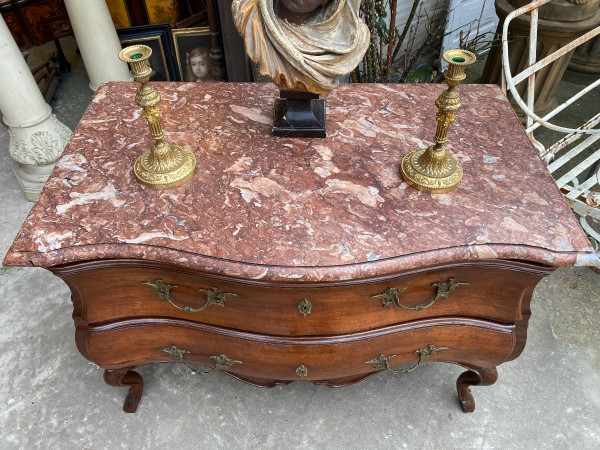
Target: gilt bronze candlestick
(164,165)
(434,170)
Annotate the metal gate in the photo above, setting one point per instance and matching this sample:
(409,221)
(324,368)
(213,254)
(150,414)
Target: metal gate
(581,184)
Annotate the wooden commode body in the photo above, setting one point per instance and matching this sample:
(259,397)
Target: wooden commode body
(300,259)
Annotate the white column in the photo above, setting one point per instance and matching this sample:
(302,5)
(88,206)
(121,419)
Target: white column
(37,138)
(98,41)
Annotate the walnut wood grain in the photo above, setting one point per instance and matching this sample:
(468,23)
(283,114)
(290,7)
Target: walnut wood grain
(126,378)
(114,289)
(121,323)
(477,376)
(139,341)
(334,383)
(521,325)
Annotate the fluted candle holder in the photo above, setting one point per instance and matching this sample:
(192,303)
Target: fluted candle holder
(434,170)
(164,165)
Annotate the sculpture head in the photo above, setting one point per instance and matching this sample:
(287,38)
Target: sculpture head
(302,45)
(299,11)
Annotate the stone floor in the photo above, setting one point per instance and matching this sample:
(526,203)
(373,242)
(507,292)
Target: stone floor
(52,397)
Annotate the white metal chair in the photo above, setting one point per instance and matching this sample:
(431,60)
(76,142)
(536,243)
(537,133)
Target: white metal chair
(581,184)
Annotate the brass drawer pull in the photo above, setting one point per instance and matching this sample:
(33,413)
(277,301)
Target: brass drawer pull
(382,361)
(444,288)
(222,362)
(213,296)
(390,296)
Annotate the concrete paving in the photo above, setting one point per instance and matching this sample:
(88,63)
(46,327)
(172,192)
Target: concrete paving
(51,397)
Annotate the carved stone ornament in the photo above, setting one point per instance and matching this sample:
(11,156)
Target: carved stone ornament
(308,56)
(41,147)
(563,10)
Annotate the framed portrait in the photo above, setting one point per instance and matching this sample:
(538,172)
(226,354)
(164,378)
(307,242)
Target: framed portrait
(158,38)
(126,13)
(192,53)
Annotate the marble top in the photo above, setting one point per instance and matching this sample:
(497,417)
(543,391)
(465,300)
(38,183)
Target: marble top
(271,208)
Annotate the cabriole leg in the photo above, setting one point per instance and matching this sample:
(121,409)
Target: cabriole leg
(126,378)
(474,377)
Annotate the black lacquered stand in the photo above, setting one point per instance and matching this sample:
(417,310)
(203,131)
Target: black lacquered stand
(299,114)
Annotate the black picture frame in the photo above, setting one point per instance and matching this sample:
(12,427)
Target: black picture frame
(185,40)
(158,38)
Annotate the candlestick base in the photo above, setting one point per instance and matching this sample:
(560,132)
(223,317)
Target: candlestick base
(431,170)
(165,166)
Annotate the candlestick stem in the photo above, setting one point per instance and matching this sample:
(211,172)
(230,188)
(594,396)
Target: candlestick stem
(434,170)
(164,165)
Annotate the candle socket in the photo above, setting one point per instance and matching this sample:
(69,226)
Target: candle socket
(434,170)
(164,165)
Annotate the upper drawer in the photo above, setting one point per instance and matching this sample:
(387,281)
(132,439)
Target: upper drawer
(490,291)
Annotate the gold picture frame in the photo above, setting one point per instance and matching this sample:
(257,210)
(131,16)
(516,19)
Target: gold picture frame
(158,38)
(184,41)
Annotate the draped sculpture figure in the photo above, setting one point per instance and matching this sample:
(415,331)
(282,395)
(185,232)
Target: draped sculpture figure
(302,45)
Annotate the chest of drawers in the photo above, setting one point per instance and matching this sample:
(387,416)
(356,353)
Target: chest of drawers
(300,260)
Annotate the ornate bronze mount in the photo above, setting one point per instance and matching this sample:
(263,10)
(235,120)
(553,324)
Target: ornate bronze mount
(165,165)
(444,288)
(433,170)
(302,371)
(382,361)
(222,362)
(390,297)
(213,296)
(304,307)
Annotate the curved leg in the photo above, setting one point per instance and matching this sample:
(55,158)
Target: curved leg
(474,377)
(126,377)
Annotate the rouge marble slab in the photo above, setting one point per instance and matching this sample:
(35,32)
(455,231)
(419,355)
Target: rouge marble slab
(270,208)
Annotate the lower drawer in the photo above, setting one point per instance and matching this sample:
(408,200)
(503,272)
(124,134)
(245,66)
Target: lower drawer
(136,342)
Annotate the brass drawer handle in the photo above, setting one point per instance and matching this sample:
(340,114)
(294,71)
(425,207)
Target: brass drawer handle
(213,296)
(444,288)
(222,362)
(390,296)
(382,361)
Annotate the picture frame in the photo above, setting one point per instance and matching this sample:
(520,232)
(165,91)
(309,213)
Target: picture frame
(158,38)
(192,45)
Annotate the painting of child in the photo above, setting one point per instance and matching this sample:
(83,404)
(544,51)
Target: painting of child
(198,65)
(192,51)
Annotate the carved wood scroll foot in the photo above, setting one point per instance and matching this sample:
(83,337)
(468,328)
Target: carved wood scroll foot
(127,378)
(473,377)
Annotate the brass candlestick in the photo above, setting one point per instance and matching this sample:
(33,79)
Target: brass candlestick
(433,169)
(164,165)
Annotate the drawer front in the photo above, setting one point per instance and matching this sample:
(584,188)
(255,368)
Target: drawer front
(136,342)
(489,292)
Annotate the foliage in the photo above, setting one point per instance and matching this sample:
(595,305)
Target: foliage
(381,62)
(470,39)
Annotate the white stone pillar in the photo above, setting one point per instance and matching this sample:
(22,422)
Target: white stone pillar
(98,41)
(37,138)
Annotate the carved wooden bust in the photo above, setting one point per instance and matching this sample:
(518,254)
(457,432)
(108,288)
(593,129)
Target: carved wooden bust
(298,11)
(302,45)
